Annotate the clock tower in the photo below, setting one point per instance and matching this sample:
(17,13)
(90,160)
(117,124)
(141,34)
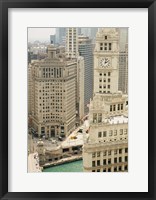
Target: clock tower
(106,148)
(106,61)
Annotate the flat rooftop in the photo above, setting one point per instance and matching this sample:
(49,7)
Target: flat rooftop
(118,119)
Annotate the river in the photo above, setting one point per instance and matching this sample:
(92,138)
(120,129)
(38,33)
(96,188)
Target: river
(76,166)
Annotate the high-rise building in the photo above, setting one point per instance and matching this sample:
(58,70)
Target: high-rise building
(53,39)
(85,50)
(72,42)
(106,149)
(60,35)
(123,38)
(53,94)
(80,89)
(73,54)
(90,32)
(79,30)
(123,70)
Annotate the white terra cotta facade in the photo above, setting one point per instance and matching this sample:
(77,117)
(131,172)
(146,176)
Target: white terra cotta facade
(106,149)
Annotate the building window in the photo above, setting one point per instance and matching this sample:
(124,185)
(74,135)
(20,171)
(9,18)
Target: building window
(109,73)
(120,159)
(104,153)
(93,155)
(110,46)
(98,170)
(108,86)
(98,154)
(108,80)
(115,132)
(120,151)
(101,46)
(126,158)
(115,169)
(126,150)
(121,106)
(118,106)
(100,74)
(105,46)
(109,152)
(104,162)
(104,170)
(105,37)
(110,133)
(125,131)
(114,107)
(115,152)
(98,162)
(93,163)
(105,134)
(109,161)
(115,160)
(109,169)
(121,131)
(110,108)
(126,167)
(120,168)
(99,117)
(94,117)
(93,170)
(99,134)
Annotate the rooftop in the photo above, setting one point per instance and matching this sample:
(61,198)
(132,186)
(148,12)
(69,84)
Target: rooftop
(118,119)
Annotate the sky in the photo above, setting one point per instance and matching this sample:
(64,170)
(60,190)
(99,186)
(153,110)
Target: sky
(41,34)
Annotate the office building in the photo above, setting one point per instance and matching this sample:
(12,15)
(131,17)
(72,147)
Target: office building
(71,42)
(73,54)
(85,50)
(60,35)
(123,70)
(53,39)
(106,149)
(90,32)
(52,94)
(80,89)
(123,38)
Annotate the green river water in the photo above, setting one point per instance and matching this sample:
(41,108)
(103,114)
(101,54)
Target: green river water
(76,166)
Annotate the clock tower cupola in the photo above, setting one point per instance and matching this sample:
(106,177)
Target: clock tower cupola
(106,61)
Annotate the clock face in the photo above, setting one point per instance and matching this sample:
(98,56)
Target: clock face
(105,62)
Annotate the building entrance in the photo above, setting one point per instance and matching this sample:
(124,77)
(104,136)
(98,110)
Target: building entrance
(53,132)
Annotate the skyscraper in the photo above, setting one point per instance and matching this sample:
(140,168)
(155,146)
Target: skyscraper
(90,32)
(123,70)
(85,50)
(123,38)
(106,149)
(60,35)
(53,39)
(72,42)
(73,54)
(52,94)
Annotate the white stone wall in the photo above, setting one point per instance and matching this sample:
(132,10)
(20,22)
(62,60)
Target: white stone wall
(106,149)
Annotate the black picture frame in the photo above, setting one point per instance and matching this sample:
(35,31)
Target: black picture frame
(4,6)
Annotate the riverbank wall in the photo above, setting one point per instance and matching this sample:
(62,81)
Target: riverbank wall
(62,161)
